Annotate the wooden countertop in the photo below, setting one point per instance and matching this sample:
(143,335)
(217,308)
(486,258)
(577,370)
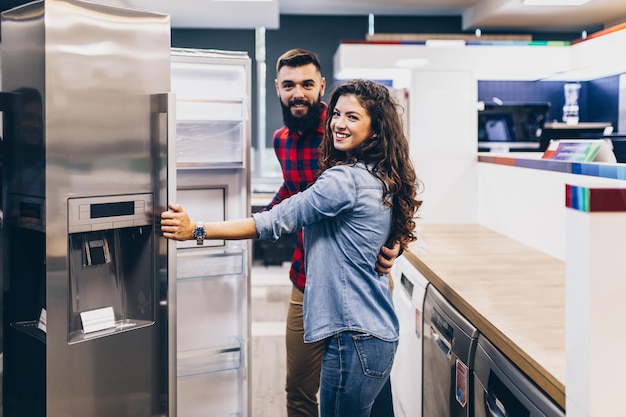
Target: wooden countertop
(513,294)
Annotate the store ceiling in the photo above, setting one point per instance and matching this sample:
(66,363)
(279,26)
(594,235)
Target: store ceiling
(483,14)
(487,14)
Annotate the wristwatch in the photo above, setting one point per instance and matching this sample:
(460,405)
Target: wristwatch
(198,232)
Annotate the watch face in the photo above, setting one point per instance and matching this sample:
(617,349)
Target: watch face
(198,232)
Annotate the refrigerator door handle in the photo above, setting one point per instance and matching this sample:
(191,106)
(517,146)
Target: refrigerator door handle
(163,109)
(163,106)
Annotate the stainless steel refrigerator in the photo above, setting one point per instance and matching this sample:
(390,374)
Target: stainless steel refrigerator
(87,294)
(212,90)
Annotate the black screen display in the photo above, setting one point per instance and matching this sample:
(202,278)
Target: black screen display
(124,208)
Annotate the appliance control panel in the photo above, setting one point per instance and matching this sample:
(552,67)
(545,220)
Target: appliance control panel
(109,212)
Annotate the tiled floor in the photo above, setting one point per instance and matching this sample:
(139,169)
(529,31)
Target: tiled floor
(270,291)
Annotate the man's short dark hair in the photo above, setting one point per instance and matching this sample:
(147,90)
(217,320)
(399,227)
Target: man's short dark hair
(298,58)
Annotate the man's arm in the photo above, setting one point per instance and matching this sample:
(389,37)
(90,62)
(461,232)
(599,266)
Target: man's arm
(386,258)
(280,195)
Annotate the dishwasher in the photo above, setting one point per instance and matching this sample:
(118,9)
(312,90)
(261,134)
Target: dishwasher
(502,390)
(406,374)
(449,345)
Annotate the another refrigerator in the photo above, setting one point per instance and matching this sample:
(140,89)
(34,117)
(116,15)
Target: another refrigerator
(212,91)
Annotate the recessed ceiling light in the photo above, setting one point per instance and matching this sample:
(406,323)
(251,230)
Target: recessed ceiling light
(555,2)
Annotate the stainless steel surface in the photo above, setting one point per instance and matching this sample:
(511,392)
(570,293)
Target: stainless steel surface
(100,72)
(449,344)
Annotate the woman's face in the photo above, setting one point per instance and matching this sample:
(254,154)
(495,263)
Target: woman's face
(350,123)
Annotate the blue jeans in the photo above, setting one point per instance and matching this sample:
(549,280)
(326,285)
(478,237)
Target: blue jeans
(355,369)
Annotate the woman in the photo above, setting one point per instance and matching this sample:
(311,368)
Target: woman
(364,197)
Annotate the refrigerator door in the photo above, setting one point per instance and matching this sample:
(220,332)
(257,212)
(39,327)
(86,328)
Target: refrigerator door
(212,143)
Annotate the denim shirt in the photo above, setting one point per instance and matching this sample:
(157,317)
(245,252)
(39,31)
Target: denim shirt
(344,223)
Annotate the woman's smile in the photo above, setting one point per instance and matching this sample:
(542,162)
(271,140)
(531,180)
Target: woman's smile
(350,123)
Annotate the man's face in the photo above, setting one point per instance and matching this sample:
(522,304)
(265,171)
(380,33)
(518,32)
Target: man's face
(299,88)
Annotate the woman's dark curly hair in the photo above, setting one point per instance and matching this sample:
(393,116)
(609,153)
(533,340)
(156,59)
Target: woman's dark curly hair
(387,152)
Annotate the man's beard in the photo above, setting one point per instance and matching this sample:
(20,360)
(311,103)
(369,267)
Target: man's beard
(310,121)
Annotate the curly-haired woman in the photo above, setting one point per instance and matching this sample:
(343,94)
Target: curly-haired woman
(364,197)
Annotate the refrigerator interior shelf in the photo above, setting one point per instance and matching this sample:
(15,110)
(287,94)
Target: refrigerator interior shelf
(203,264)
(205,361)
(209,165)
(214,394)
(210,142)
(214,110)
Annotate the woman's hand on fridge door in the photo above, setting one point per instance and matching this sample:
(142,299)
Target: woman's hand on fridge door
(175,223)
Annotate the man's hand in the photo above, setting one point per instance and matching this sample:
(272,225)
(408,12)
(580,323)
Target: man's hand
(386,258)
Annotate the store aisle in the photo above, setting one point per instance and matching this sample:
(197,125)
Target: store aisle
(270,291)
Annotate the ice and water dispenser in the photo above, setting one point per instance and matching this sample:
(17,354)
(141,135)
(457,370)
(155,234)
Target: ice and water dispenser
(111,248)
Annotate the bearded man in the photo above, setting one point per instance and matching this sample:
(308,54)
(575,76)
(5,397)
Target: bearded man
(300,87)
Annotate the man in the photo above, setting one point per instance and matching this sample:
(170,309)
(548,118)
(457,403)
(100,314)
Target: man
(300,88)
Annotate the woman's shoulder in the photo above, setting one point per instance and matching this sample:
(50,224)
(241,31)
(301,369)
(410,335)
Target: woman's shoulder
(358,173)
(349,167)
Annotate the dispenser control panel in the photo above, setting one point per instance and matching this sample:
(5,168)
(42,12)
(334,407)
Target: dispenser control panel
(109,212)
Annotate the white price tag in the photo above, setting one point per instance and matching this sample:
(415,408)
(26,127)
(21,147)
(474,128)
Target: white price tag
(99,319)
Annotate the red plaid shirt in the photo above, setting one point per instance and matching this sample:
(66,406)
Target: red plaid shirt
(299,158)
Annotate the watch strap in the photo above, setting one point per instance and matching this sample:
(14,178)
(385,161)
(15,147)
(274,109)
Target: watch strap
(198,232)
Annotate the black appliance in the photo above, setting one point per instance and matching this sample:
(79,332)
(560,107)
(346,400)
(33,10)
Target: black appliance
(585,130)
(511,123)
(502,390)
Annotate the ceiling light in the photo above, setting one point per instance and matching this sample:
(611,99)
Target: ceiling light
(554,2)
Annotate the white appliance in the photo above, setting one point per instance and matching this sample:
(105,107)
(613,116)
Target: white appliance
(406,374)
(212,91)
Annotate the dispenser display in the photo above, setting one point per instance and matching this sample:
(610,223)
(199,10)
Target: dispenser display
(111,245)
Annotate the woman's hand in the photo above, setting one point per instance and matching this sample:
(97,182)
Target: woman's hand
(175,223)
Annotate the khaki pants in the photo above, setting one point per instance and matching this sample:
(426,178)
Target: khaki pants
(304,362)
